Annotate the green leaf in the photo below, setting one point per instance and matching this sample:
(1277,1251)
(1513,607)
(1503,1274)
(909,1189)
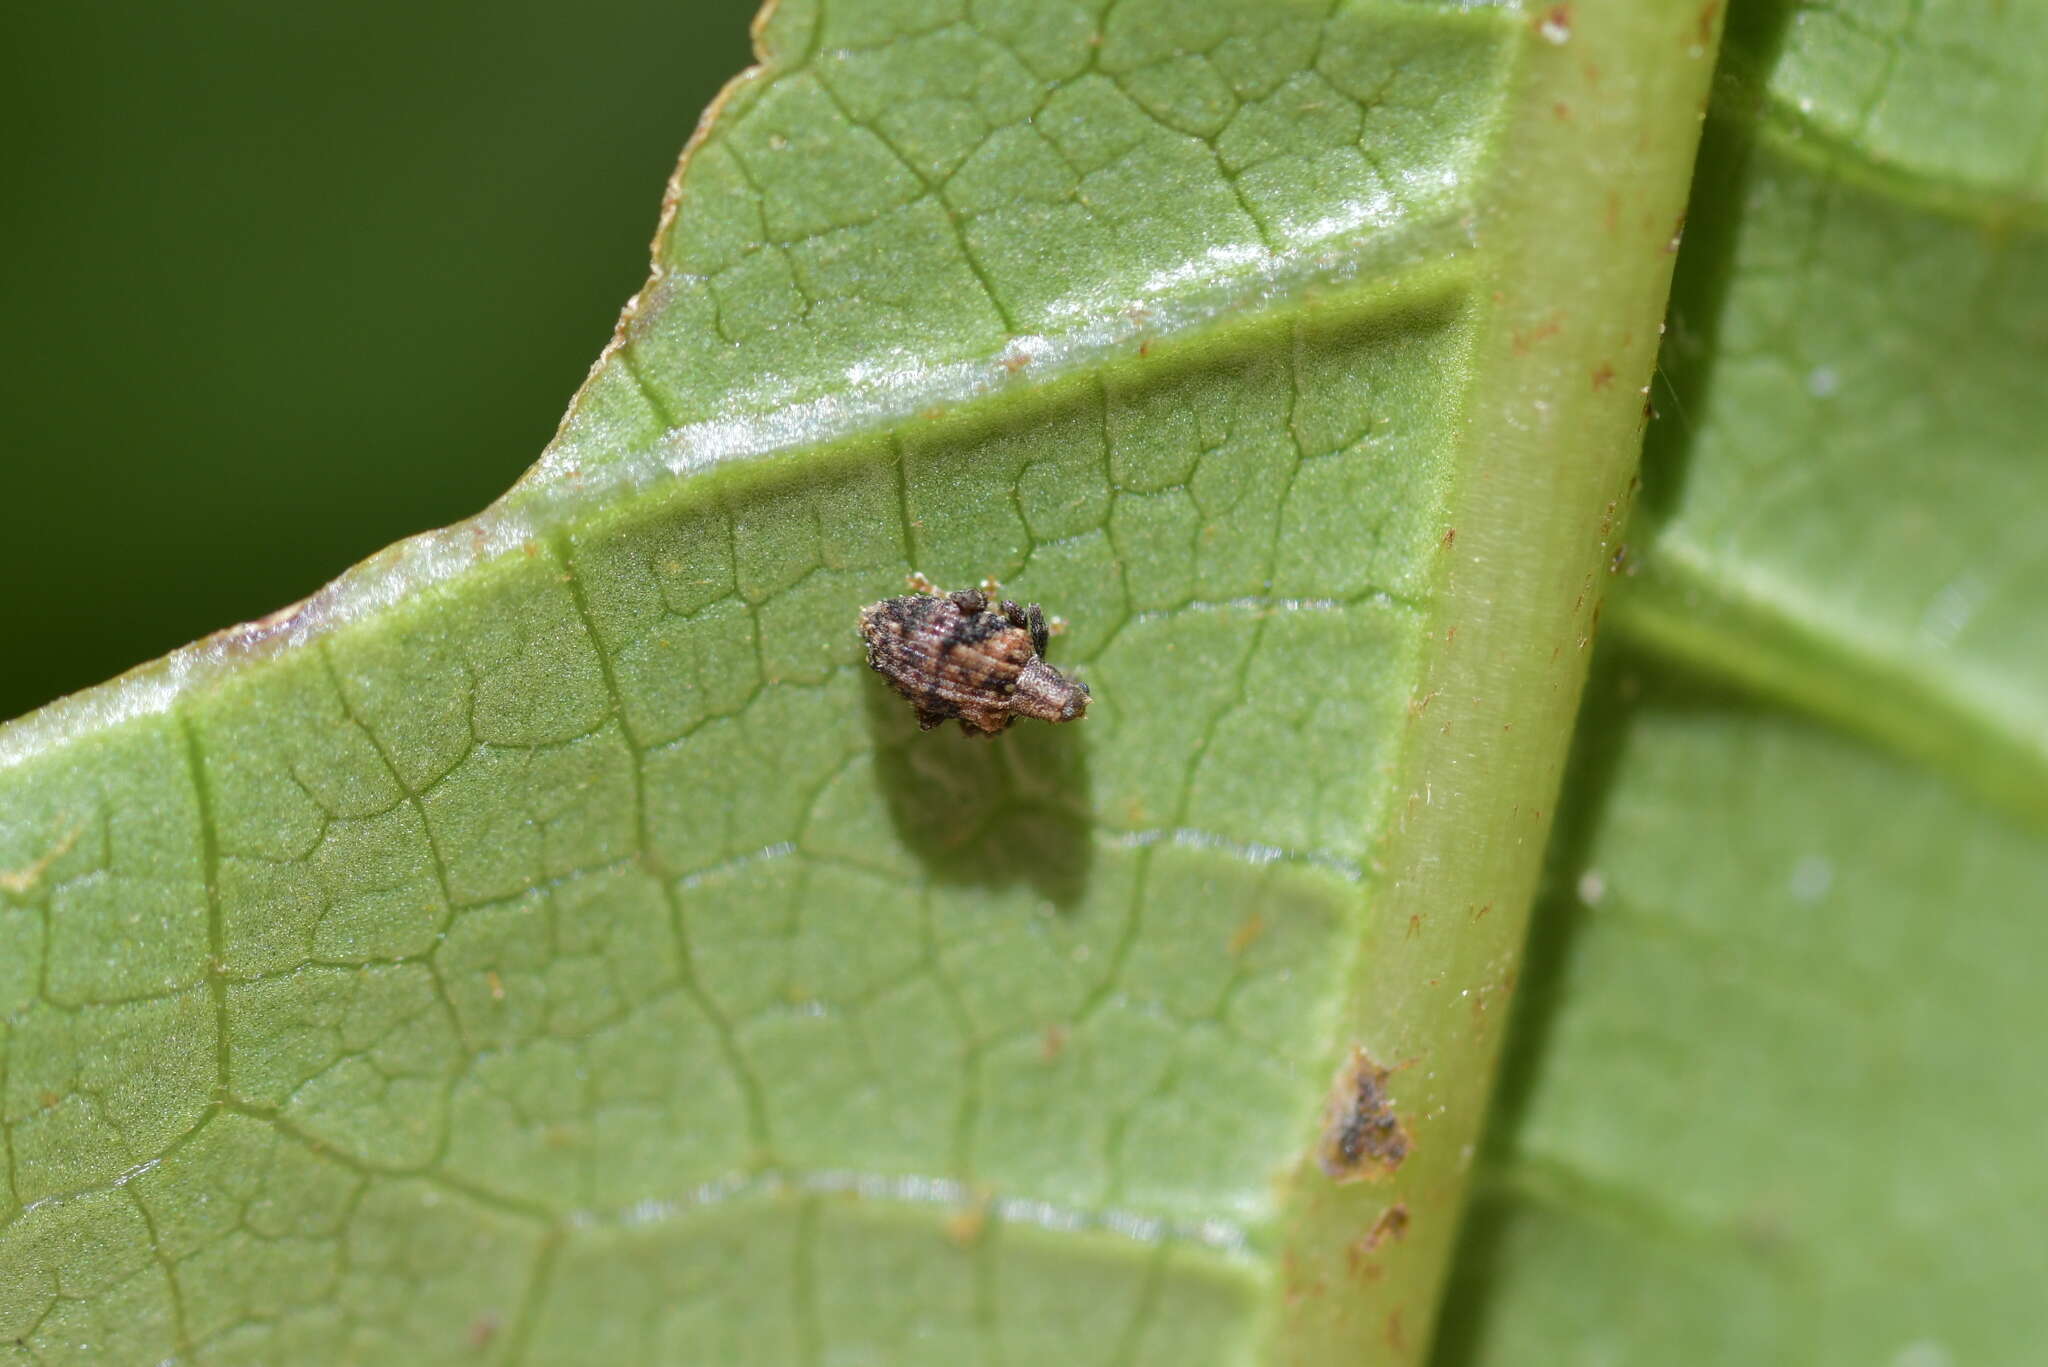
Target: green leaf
(1771,1100)
(549,942)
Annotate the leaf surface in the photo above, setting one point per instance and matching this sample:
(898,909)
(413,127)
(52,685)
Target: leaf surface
(549,943)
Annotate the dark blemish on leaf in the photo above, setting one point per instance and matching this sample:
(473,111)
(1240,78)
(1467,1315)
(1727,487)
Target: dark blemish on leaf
(1603,377)
(1362,1137)
(1450,537)
(1554,25)
(1392,1224)
(968,656)
(1677,236)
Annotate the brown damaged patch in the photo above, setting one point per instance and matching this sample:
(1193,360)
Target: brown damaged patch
(1392,1224)
(1362,1137)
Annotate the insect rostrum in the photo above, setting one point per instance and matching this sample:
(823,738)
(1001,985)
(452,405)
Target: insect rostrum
(968,656)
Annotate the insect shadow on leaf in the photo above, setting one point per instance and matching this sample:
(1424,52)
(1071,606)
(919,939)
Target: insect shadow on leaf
(986,812)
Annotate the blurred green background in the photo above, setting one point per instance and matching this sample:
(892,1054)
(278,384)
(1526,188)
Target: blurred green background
(283,283)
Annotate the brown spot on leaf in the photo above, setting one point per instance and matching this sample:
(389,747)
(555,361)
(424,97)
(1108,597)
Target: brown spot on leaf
(1362,1137)
(1052,1043)
(1549,327)
(1603,376)
(1248,931)
(21,880)
(966,1225)
(1392,1224)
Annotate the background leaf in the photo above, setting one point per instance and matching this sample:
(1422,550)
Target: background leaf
(1770,1100)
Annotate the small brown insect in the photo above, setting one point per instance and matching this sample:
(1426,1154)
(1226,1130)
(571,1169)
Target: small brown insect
(969,656)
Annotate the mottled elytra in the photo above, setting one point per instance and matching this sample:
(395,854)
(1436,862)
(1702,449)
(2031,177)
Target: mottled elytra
(969,655)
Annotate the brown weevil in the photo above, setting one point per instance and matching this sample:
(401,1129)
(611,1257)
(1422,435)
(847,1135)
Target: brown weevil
(969,655)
